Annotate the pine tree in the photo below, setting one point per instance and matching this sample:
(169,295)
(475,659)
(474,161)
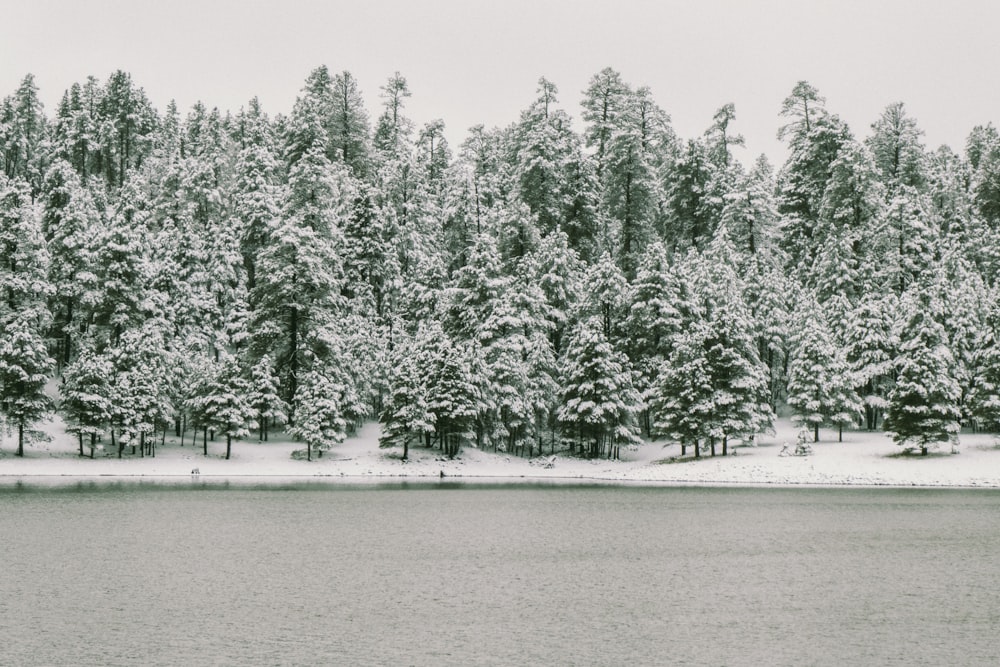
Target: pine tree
(24,365)
(87,394)
(226,404)
(69,218)
(819,381)
(870,347)
(406,415)
(683,400)
(319,418)
(456,395)
(265,398)
(923,406)
(598,402)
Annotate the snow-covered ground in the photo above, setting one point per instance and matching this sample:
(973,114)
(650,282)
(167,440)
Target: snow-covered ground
(862,459)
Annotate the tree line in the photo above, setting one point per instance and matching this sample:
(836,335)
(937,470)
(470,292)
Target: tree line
(537,287)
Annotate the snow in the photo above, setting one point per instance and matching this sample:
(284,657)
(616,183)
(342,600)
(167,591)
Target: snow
(863,459)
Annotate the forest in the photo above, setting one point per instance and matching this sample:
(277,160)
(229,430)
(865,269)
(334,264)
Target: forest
(548,285)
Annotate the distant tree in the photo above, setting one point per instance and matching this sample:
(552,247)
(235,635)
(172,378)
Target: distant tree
(265,397)
(24,367)
(226,405)
(820,385)
(598,402)
(87,395)
(923,406)
(319,417)
(349,130)
(406,415)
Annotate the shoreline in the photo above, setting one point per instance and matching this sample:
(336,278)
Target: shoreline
(863,460)
(277,480)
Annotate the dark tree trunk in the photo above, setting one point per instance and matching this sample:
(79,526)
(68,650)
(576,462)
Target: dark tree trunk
(293,362)
(725,445)
(93,442)
(20,438)
(923,451)
(406,448)
(204,441)
(229,445)
(840,432)
(816,432)
(79,437)
(711,445)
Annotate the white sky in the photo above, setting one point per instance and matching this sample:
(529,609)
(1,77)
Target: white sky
(473,61)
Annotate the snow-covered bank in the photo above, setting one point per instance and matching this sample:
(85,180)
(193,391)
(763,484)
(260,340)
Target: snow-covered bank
(863,459)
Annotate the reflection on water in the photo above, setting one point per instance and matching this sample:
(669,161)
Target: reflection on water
(132,572)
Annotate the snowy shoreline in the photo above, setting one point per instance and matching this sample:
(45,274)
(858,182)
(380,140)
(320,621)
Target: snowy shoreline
(863,460)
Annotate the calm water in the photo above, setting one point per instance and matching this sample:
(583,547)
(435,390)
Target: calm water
(137,574)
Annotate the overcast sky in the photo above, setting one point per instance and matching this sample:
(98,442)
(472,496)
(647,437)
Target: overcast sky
(471,61)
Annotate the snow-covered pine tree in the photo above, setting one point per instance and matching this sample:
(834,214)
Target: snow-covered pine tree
(406,415)
(456,394)
(655,316)
(923,407)
(557,270)
(870,346)
(69,218)
(265,398)
(598,401)
(86,394)
(226,406)
(319,417)
(682,403)
(819,380)
(24,367)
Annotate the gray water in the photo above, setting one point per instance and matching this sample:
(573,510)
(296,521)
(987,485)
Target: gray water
(130,574)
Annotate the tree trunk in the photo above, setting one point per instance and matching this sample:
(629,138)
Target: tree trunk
(406,448)
(93,440)
(923,451)
(725,445)
(20,438)
(816,432)
(293,362)
(309,451)
(840,432)
(204,441)
(683,448)
(79,437)
(229,445)
(711,445)
(142,445)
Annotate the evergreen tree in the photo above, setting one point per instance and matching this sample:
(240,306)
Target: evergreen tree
(226,404)
(598,401)
(24,365)
(819,381)
(871,346)
(86,395)
(406,415)
(923,406)
(319,418)
(265,398)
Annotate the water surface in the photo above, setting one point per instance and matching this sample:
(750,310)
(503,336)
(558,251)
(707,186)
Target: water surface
(129,573)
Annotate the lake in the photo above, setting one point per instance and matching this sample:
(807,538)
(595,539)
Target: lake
(425,574)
